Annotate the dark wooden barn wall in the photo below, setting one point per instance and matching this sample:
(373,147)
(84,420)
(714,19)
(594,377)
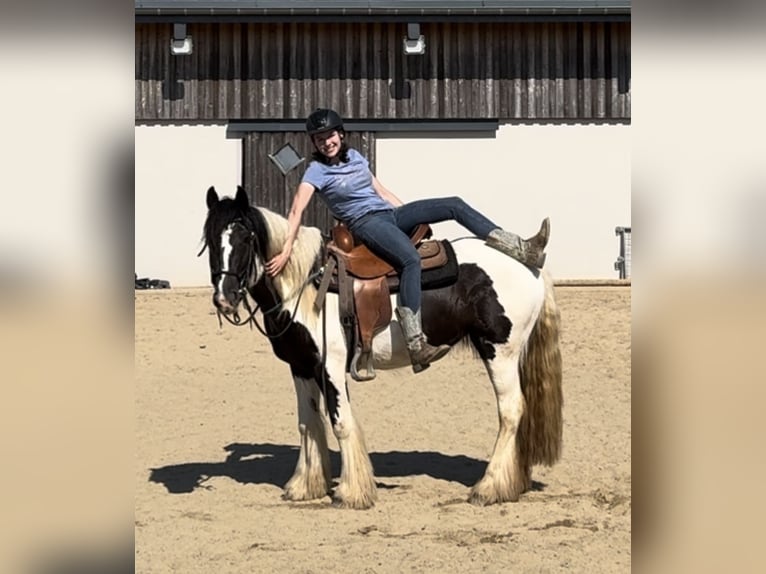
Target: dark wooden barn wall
(470,70)
(267,186)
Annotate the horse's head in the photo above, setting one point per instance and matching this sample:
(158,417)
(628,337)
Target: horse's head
(234,236)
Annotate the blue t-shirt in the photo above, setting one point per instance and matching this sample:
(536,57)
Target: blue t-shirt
(346,188)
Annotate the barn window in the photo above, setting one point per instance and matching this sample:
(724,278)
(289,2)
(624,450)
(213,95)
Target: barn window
(286,158)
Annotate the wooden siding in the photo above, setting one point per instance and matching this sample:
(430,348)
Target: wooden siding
(576,71)
(267,186)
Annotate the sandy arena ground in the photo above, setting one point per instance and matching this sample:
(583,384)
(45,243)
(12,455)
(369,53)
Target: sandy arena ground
(217,438)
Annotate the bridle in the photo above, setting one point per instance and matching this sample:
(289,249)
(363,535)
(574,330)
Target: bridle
(243,289)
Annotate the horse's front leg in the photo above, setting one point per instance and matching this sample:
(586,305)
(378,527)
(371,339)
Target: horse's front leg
(311,478)
(356,487)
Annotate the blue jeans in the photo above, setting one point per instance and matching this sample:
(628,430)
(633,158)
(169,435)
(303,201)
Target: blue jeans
(386,234)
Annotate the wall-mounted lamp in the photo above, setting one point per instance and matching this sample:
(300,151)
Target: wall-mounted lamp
(414,42)
(180,43)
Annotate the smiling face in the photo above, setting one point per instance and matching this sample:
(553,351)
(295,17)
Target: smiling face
(328,143)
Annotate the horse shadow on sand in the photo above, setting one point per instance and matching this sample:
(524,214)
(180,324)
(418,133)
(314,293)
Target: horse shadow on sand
(274,464)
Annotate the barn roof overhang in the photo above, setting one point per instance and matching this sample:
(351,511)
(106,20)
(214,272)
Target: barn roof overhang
(236,129)
(373,10)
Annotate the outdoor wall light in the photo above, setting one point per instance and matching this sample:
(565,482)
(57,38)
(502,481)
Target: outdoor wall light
(414,42)
(180,43)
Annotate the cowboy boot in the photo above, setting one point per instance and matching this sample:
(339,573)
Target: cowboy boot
(421,353)
(527,251)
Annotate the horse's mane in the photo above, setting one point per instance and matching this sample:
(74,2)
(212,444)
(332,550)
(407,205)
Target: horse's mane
(306,248)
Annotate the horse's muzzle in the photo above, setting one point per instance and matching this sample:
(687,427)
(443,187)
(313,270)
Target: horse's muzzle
(224,304)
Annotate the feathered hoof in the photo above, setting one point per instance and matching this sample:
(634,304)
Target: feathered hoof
(484,495)
(361,501)
(352,504)
(300,490)
(298,495)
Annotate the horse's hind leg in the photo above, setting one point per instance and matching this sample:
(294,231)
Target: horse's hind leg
(506,477)
(311,478)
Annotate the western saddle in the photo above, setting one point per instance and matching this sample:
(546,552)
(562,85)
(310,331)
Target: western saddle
(364,283)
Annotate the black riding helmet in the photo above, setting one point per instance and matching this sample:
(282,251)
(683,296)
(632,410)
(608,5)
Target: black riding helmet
(323,120)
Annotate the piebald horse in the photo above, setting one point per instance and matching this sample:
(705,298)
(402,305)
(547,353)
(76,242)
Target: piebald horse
(501,309)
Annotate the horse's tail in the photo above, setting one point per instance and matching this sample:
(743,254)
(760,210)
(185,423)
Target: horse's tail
(540,431)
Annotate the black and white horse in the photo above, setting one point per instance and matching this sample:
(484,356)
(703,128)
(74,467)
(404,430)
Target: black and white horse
(501,309)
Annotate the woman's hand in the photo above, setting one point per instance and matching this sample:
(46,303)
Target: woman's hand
(275,265)
(302,197)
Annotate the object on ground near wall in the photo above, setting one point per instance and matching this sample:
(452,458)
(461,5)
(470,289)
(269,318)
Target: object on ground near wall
(623,260)
(146,283)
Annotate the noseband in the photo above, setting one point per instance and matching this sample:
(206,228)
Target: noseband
(240,277)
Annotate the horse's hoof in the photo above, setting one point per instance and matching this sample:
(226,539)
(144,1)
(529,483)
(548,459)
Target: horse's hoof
(358,504)
(485,497)
(478,500)
(299,497)
(295,494)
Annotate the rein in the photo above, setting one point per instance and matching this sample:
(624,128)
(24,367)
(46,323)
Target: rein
(251,320)
(244,291)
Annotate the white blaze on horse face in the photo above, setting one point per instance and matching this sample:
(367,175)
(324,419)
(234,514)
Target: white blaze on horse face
(226,251)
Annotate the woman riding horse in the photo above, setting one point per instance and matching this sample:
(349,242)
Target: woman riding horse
(382,222)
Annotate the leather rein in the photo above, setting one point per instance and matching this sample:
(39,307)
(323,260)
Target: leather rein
(244,291)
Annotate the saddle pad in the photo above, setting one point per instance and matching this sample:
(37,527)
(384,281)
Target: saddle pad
(435,278)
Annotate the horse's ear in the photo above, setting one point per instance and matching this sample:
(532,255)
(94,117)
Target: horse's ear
(212,197)
(241,199)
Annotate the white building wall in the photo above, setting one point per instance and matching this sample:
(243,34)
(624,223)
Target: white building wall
(578,175)
(175,165)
